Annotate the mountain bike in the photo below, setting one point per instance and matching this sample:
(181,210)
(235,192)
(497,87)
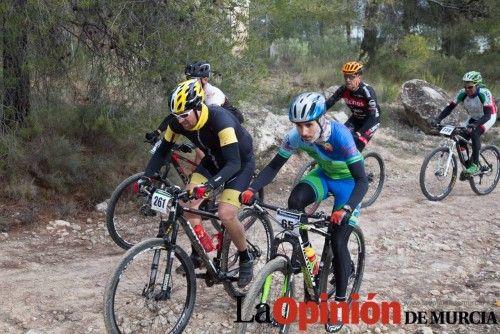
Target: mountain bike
(439,170)
(277,278)
(129,217)
(375,172)
(147,294)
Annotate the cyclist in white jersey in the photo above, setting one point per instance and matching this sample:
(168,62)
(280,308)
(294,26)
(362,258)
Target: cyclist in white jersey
(480,104)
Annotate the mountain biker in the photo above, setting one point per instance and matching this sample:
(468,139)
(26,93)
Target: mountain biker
(480,104)
(361,99)
(340,171)
(213,96)
(228,160)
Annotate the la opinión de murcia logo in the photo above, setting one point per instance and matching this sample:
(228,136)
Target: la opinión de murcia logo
(287,310)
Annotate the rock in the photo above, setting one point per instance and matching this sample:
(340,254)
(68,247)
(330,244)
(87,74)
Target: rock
(435,292)
(35,331)
(444,247)
(102,207)
(423,101)
(76,227)
(267,129)
(60,223)
(424,330)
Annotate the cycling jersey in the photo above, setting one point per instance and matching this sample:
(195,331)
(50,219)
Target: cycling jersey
(365,117)
(337,158)
(213,95)
(226,144)
(481,107)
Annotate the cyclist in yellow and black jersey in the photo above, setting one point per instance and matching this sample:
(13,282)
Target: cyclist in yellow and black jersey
(213,96)
(228,161)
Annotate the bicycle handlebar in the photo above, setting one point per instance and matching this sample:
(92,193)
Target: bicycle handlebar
(321,219)
(185,148)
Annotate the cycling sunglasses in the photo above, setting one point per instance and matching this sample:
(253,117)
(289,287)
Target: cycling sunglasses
(350,77)
(184,114)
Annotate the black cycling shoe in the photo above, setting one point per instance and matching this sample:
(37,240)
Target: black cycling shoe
(246,272)
(197,263)
(332,328)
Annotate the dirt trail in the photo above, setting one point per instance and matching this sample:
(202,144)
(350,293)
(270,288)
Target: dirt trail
(440,256)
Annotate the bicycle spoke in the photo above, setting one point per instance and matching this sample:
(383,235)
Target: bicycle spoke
(487,179)
(438,174)
(141,303)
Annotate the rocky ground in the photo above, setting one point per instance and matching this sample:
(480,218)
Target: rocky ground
(441,256)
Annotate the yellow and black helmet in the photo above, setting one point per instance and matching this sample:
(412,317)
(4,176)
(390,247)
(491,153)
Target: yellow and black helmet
(187,95)
(352,67)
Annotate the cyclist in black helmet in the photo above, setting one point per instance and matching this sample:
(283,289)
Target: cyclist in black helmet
(213,96)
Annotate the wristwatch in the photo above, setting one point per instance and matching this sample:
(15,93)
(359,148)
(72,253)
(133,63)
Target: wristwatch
(347,208)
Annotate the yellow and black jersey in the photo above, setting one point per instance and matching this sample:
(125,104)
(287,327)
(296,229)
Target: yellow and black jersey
(226,143)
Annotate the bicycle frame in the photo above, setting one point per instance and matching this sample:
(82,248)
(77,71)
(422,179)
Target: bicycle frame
(175,160)
(298,261)
(453,142)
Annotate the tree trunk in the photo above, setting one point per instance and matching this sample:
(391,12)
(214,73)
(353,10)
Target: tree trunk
(369,42)
(16,102)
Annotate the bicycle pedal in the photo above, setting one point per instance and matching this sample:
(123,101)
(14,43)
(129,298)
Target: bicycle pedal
(463,176)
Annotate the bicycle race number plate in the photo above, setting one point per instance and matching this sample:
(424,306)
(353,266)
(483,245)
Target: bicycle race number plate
(161,201)
(447,130)
(287,219)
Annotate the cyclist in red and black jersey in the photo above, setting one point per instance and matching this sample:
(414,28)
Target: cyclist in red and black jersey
(361,99)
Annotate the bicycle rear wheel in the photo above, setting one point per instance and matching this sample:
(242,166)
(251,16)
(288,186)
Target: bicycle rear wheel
(436,177)
(356,246)
(275,280)
(259,236)
(129,218)
(375,172)
(135,300)
(489,163)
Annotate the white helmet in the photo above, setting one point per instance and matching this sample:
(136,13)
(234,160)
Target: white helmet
(307,107)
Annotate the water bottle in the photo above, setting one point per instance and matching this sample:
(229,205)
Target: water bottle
(217,238)
(311,257)
(205,239)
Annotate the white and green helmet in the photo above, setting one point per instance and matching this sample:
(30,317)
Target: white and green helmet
(473,76)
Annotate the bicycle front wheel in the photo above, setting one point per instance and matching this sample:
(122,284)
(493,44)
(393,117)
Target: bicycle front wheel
(259,236)
(438,174)
(489,164)
(138,300)
(356,246)
(375,172)
(129,218)
(275,280)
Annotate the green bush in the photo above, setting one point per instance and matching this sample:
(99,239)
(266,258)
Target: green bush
(291,53)
(80,152)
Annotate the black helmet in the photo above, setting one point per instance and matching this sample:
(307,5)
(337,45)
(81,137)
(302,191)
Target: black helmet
(197,69)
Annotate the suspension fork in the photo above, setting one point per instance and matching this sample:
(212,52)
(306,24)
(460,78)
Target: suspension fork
(285,289)
(448,160)
(170,242)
